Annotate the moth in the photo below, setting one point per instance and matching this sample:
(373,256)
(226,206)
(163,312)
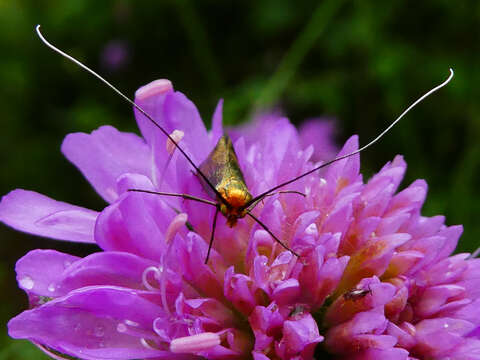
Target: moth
(220,172)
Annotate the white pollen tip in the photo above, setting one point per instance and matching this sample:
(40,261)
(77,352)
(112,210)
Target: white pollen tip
(194,343)
(177,223)
(176,135)
(156,87)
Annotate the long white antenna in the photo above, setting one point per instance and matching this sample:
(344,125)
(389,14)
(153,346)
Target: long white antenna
(421,98)
(71,58)
(148,116)
(402,115)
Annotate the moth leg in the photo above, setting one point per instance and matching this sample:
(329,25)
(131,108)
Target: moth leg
(271,234)
(212,236)
(184,196)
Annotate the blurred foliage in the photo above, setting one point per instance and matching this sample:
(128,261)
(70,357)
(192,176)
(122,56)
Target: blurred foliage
(360,61)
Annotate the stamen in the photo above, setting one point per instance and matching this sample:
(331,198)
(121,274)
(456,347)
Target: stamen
(156,274)
(194,343)
(156,87)
(163,291)
(176,135)
(176,224)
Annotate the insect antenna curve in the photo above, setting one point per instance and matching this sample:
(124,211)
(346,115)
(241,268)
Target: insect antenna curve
(126,98)
(421,98)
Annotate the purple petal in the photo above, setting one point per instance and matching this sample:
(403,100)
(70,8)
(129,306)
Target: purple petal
(299,338)
(39,271)
(455,266)
(429,246)
(345,170)
(376,196)
(468,350)
(105,268)
(402,262)
(37,214)
(439,335)
(173,111)
(420,226)
(340,338)
(136,224)
(260,273)
(411,198)
(393,171)
(391,224)
(321,277)
(372,259)
(182,114)
(286,292)
(435,298)
(451,234)
(266,323)
(104,155)
(338,220)
(259,356)
(217,128)
(237,289)
(405,339)
(211,309)
(92,323)
(190,252)
(151,98)
(320,133)
(271,159)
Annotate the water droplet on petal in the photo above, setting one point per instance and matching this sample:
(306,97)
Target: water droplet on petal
(99,331)
(51,287)
(27,282)
(311,230)
(131,323)
(121,328)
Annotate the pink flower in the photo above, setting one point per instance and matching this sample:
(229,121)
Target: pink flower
(374,280)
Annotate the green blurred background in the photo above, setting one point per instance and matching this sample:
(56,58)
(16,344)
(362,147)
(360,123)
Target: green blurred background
(362,62)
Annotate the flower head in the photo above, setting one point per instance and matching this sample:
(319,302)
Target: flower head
(374,279)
